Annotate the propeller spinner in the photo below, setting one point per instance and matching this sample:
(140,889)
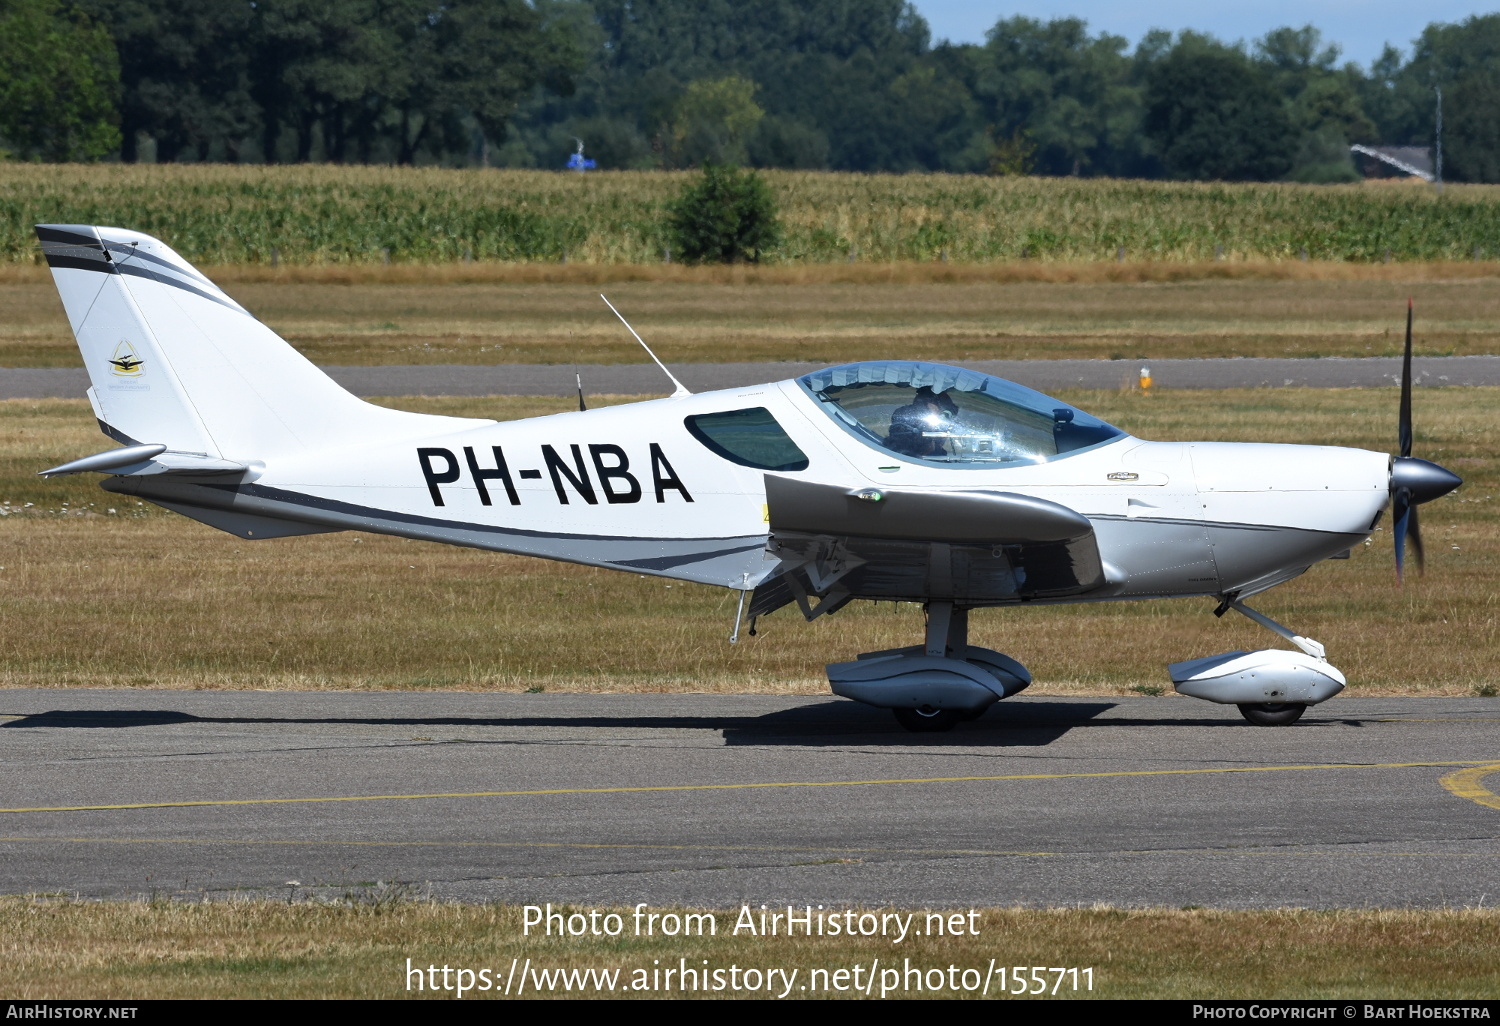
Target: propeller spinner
(1413,481)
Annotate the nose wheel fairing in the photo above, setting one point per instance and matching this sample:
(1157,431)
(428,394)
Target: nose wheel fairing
(1272,687)
(1272,676)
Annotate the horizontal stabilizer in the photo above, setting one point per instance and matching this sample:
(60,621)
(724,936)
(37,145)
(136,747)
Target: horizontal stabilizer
(189,463)
(106,462)
(144,460)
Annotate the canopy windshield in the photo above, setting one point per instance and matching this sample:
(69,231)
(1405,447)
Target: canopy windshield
(940,414)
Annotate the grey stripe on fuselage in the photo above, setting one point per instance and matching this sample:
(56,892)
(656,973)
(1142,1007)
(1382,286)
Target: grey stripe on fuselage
(727,562)
(1159,555)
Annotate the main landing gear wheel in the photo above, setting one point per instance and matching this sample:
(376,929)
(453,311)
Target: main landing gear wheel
(1273,714)
(928,721)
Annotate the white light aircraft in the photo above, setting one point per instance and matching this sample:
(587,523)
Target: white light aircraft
(886,480)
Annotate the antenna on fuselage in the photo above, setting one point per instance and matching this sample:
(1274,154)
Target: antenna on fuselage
(681,389)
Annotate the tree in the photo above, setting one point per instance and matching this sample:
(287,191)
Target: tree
(789,143)
(1321,96)
(1446,53)
(1384,98)
(825,73)
(1471,128)
(726,216)
(1404,103)
(1321,99)
(324,64)
(1070,94)
(474,58)
(714,121)
(1212,114)
(184,68)
(413,76)
(1013,156)
(59,82)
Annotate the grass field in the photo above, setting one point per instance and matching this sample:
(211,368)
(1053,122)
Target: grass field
(359,949)
(101,592)
(313,214)
(686,321)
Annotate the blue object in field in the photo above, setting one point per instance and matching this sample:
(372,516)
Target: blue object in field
(577,161)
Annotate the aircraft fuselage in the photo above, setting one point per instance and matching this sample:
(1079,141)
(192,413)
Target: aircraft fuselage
(629,487)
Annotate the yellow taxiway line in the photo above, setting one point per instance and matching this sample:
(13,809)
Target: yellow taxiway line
(767,784)
(1466,784)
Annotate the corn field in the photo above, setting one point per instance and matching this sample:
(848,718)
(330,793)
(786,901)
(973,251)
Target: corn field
(321,215)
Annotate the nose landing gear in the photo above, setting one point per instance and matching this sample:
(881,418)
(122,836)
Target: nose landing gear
(1271,688)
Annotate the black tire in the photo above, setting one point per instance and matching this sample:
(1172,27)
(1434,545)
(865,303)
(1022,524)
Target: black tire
(1273,714)
(931,721)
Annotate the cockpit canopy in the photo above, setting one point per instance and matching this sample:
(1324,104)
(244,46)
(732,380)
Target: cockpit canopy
(941,414)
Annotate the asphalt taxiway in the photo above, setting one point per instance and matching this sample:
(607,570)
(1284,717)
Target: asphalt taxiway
(714,800)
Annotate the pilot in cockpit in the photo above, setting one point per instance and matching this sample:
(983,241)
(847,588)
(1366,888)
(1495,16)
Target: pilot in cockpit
(920,427)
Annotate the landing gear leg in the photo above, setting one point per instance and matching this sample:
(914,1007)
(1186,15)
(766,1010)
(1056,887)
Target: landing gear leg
(1277,714)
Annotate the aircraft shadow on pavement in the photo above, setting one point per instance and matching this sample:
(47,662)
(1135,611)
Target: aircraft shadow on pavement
(1028,724)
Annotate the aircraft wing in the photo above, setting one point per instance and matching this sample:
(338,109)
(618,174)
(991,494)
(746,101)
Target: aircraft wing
(976,547)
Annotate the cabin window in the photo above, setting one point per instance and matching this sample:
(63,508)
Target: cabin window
(751,438)
(926,411)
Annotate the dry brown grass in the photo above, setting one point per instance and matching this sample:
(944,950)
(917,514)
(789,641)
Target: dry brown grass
(762,318)
(126,950)
(142,598)
(900,272)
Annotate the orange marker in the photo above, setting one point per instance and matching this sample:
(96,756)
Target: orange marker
(1146,380)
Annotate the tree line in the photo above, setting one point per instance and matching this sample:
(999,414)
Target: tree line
(843,84)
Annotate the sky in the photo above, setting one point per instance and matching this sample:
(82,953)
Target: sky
(1360,27)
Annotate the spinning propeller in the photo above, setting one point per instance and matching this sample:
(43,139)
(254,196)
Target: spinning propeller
(1413,481)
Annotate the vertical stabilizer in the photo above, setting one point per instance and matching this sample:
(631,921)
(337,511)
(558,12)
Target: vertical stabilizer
(173,360)
(136,394)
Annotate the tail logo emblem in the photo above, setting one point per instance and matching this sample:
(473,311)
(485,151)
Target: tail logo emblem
(125,363)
